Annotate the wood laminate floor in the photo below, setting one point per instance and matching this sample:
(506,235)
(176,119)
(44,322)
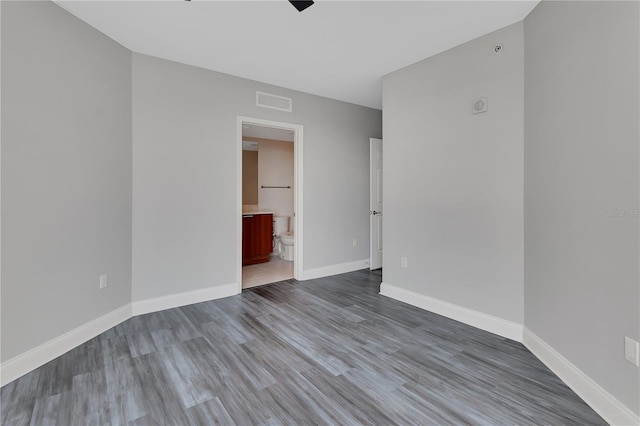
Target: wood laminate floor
(326,351)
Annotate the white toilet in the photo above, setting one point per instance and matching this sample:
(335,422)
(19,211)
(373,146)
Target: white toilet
(283,238)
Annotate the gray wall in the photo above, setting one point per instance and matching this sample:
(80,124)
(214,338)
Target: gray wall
(453,181)
(67,184)
(581,167)
(66,174)
(184,185)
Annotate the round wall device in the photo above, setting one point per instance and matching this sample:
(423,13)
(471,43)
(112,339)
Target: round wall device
(497,48)
(479,105)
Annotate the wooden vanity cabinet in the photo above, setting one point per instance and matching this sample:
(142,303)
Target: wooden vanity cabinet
(257,238)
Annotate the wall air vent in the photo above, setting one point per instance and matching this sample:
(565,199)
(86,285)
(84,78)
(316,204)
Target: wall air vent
(267,100)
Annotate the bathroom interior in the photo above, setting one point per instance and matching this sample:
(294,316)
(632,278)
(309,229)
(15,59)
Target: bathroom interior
(267,205)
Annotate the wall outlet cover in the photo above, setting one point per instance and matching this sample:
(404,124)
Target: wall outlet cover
(403,262)
(104,281)
(632,351)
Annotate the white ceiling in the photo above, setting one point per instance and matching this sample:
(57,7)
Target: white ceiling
(336,49)
(264,132)
(249,146)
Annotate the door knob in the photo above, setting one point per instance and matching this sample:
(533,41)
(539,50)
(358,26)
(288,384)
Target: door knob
(375,212)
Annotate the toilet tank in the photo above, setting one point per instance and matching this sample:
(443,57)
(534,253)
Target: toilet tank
(280,224)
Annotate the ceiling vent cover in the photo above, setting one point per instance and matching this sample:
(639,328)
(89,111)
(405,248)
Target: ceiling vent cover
(267,100)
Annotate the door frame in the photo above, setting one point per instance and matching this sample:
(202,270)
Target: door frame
(298,131)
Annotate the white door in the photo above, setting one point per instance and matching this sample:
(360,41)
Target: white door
(375,203)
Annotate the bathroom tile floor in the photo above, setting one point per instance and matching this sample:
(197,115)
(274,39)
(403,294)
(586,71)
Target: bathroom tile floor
(264,273)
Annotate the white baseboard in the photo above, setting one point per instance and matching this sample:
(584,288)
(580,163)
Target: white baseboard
(603,403)
(181,299)
(40,355)
(340,268)
(502,327)
(48,351)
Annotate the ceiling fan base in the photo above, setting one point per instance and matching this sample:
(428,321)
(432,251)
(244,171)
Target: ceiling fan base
(301,5)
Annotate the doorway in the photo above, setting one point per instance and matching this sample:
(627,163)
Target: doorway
(273,136)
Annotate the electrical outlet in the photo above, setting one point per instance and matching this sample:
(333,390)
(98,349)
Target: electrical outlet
(104,282)
(355,242)
(403,262)
(632,351)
